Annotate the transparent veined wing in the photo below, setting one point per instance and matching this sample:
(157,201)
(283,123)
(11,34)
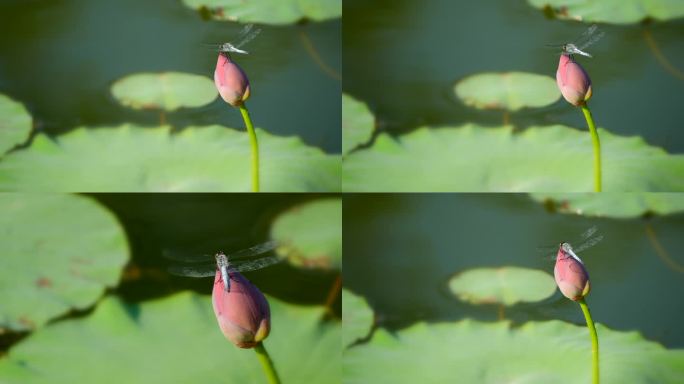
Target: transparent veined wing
(589,37)
(253,250)
(193,271)
(186,256)
(235,260)
(587,239)
(247,34)
(253,265)
(198,254)
(588,243)
(588,233)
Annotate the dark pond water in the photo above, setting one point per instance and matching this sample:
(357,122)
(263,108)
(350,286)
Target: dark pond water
(403,57)
(60,58)
(400,251)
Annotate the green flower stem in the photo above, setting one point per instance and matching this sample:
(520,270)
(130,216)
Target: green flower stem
(267,364)
(594,340)
(597,146)
(255,147)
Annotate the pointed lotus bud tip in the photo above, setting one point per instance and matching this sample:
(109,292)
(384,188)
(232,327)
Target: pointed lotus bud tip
(231,81)
(573,81)
(243,313)
(571,276)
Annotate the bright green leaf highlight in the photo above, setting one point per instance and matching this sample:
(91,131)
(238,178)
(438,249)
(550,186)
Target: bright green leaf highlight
(130,158)
(508,90)
(167,90)
(270,11)
(173,340)
(357,318)
(312,234)
(623,205)
(50,265)
(538,352)
(505,285)
(357,123)
(613,11)
(475,158)
(15,123)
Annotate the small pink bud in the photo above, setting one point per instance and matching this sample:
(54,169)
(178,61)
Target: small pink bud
(231,81)
(242,313)
(571,276)
(573,81)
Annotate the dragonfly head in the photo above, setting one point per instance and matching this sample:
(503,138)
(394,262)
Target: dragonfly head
(221,259)
(567,251)
(572,49)
(228,47)
(566,247)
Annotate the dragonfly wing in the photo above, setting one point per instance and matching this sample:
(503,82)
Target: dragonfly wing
(254,250)
(589,243)
(185,256)
(587,32)
(589,232)
(547,252)
(248,37)
(253,265)
(594,38)
(194,271)
(245,30)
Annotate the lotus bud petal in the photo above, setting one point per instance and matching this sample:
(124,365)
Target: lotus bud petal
(571,276)
(242,313)
(231,81)
(573,81)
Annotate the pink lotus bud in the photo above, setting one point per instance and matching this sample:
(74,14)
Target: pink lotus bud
(242,313)
(573,81)
(231,81)
(571,276)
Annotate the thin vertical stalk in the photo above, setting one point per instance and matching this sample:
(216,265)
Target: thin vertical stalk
(267,364)
(597,146)
(594,340)
(254,147)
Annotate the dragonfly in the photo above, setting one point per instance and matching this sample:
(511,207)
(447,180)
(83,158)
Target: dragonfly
(247,34)
(590,36)
(586,240)
(239,261)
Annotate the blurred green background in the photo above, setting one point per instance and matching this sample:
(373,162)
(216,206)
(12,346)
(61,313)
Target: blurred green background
(403,57)
(459,288)
(138,323)
(60,59)
(401,250)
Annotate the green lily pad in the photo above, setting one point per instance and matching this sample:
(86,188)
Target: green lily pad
(507,90)
(623,205)
(311,234)
(173,340)
(613,11)
(15,124)
(166,90)
(131,158)
(59,252)
(357,318)
(357,123)
(269,11)
(505,285)
(538,352)
(475,158)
